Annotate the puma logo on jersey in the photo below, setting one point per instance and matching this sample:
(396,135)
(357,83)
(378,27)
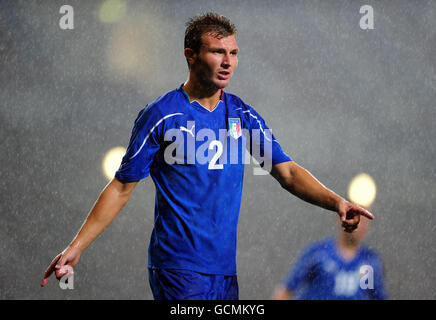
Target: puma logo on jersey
(182,128)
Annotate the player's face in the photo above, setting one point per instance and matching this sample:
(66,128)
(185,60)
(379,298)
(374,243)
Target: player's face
(217,60)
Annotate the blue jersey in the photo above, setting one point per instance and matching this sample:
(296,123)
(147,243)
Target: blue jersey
(322,274)
(196,159)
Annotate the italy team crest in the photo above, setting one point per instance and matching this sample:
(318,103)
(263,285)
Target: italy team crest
(235,127)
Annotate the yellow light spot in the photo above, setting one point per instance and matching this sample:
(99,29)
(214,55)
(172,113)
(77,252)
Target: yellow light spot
(362,190)
(112,11)
(127,49)
(112,161)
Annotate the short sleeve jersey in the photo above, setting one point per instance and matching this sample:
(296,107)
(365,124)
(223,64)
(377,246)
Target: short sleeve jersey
(322,274)
(196,159)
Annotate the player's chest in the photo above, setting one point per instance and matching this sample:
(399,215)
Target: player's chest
(203,125)
(213,139)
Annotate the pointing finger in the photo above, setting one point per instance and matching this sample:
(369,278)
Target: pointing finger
(49,270)
(368,214)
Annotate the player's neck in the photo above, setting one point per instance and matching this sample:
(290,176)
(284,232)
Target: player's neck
(208,97)
(347,246)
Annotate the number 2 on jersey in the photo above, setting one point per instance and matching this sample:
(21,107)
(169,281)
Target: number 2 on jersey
(213,162)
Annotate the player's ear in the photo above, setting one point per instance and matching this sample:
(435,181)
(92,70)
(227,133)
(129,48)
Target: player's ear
(190,55)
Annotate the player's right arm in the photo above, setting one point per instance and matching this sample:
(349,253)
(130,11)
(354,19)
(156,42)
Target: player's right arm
(110,202)
(135,166)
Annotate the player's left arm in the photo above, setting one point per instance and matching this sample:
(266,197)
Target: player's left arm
(304,185)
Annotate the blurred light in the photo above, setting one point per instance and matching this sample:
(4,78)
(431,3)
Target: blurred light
(126,52)
(112,11)
(136,52)
(362,190)
(112,161)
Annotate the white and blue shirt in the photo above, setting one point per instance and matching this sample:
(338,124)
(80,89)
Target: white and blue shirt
(322,274)
(196,160)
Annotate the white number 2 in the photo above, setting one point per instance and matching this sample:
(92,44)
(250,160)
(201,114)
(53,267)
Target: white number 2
(212,164)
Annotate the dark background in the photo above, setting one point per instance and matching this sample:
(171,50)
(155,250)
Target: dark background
(340,100)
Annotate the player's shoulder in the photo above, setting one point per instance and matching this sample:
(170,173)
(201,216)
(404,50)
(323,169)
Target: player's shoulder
(233,99)
(164,105)
(369,253)
(236,102)
(239,106)
(320,246)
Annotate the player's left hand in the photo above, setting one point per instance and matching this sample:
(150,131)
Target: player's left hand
(350,215)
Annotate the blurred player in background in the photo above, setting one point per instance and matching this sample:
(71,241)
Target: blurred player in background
(340,268)
(192,251)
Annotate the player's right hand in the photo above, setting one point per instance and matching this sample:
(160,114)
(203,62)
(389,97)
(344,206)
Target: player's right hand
(62,264)
(350,215)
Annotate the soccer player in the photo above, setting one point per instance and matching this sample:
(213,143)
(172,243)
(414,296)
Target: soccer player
(339,268)
(191,142)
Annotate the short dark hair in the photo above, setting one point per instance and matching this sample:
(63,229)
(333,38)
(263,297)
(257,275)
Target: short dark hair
(205,23)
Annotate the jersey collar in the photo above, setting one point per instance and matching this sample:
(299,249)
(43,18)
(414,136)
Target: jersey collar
(196,102)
